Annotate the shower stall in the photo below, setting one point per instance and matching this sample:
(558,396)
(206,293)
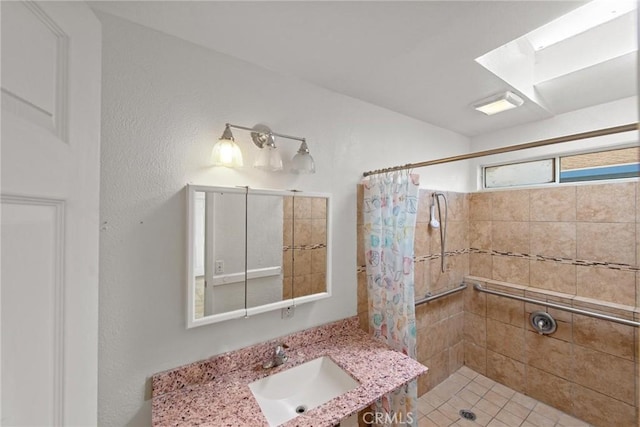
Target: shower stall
(537,251)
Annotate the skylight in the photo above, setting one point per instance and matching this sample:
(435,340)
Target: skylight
(585,57)
(578,21)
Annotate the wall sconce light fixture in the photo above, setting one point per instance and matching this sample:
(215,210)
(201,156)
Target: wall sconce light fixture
(499,103)
(227,153)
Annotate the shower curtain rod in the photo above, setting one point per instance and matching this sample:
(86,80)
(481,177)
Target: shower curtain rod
(540,143)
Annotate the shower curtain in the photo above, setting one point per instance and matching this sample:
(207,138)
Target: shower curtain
(390,209)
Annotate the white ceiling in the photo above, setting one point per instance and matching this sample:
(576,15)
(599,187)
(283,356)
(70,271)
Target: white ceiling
(416,58)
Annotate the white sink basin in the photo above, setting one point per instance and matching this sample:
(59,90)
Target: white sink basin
(289,393)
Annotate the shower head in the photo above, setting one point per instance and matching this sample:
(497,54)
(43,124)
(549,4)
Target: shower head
(434,222)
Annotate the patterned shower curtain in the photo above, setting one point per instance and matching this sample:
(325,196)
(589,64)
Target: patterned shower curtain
(390,209)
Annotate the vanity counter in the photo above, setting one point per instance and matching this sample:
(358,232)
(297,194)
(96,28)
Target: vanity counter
(216,392)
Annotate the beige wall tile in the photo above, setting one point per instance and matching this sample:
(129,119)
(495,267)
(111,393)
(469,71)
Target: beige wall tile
(287,232)
(287,263)
(601,410)
(510,236)
(362,292)
(456,357)
(511,269)
(319,231)
(302,232)
(434,339)
(363,320)
(455,304)
(424,204)
(318,260)
(550,389)
(287,288)
(302,285)
(606,242)
(420,282)
(480,206)
(510,205)
(438,368)
(505,339)
(318,283)
(360,258)
(480,234)
(553,204)
(455,329)
(506,371)
(606,202)
(458,206)
(475,302)
(606,284)
(302,208)
(553,276)
(475,357)
(475,329)
(505,310)
(549,354)
(605,336)
(556,239)
(457,237)
(422,240)
(605,373)
(287,207)
(481,265)
(301,262)
(318,208)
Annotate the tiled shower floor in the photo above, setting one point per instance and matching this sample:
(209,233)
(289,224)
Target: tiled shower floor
(494,404)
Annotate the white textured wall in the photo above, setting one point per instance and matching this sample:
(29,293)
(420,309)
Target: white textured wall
(165,102)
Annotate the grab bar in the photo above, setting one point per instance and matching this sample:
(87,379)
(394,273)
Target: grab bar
(479,288)
(428,298)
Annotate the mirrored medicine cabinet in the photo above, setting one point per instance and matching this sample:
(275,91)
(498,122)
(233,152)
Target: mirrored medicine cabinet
(251,251)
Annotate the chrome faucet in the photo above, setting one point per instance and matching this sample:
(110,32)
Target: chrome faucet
(279,357)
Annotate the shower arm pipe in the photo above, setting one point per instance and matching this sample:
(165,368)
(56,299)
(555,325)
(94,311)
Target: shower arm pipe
(627,322)
(429,298)
(508,149)
(280,135)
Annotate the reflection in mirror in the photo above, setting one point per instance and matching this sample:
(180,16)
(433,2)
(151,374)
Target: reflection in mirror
(265,235)
(309,245)
(253,251)
(219,252)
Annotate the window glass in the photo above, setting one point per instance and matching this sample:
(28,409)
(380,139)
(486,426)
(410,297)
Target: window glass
(611,164)
(525,173)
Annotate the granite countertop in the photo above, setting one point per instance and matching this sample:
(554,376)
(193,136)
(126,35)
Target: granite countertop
(225,399)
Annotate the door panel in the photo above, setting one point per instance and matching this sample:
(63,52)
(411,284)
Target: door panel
(50,170)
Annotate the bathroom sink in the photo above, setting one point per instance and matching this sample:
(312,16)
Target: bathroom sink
(289,393)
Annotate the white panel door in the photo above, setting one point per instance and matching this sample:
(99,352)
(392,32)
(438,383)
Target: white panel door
(50,170)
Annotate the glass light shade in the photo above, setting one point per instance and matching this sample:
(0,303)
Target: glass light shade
(226,153)
(303,163)
(269,159)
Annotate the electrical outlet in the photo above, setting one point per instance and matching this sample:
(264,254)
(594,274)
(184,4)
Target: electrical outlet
(287,312)
(219,267)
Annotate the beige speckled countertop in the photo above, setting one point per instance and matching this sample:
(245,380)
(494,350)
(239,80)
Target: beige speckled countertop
(215,392)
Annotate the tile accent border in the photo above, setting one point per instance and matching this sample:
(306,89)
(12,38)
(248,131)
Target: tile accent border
(531,257)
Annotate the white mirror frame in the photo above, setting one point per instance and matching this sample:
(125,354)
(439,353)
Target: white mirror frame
(192,322)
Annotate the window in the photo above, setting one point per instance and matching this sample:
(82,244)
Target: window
(525,173)
(610,164)
(613,164)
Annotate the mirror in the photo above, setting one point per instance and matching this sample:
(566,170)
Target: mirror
(252,251)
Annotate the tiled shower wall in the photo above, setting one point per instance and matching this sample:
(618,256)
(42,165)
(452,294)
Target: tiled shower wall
(573,244)
(305,246)
(576,245)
